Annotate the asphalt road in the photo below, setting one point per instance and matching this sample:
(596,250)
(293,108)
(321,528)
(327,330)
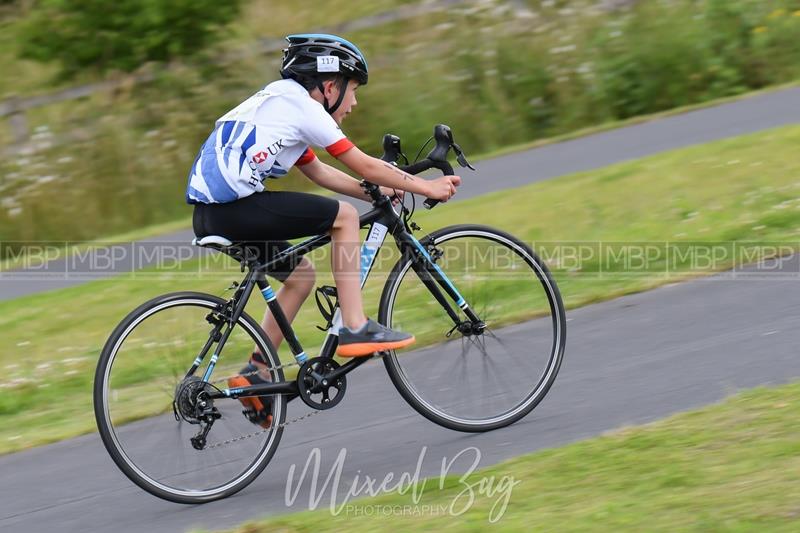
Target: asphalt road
(629,361)
(594,151)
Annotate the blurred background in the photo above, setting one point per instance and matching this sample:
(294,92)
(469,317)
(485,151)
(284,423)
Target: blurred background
(104,105)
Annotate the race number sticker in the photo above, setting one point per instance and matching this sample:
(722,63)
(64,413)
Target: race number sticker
(327,64)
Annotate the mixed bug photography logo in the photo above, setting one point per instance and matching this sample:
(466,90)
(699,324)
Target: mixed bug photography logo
(337,486)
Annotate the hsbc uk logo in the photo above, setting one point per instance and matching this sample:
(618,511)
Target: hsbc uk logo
(259,159)
(272,150)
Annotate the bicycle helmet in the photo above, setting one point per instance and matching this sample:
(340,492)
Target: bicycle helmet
(312,56)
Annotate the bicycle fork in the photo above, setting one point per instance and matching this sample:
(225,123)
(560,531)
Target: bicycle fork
(434,279)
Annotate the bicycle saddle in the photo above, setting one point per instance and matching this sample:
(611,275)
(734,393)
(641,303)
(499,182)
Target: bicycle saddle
(212,241)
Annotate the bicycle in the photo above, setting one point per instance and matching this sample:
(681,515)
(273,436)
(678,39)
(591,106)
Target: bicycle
(178,435)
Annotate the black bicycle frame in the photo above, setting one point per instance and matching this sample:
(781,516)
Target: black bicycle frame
(381,220)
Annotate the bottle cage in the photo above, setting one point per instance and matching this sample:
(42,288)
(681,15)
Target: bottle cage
(327,300)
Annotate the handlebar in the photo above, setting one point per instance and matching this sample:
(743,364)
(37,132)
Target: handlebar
(436,158)
(444,141)
(427,164)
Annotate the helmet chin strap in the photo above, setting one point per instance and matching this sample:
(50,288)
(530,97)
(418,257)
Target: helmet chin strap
(342,89)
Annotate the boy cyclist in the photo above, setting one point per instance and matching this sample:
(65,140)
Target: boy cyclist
(263,137)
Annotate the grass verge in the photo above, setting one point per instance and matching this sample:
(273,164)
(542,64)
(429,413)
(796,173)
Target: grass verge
(745,189)
(727,467)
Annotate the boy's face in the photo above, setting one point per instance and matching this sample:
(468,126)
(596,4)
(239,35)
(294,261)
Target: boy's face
(348,102)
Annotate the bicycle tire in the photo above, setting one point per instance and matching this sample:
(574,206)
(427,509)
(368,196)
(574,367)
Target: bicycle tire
(108,430)
(408,384)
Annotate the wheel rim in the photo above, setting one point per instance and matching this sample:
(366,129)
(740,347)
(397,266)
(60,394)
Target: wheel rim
(145,364)
(519,356)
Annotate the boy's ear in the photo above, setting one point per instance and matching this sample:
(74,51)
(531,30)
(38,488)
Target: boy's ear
(329,85)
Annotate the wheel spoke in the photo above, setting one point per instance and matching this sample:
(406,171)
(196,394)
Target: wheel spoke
(499,370)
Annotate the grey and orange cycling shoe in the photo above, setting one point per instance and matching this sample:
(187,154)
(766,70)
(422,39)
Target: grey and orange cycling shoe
(371,338)
(258,409)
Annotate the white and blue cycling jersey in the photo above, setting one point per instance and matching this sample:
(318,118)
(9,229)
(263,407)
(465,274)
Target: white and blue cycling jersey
(263,137)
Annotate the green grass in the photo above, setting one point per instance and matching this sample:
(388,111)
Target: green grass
(745,189)
(727,467)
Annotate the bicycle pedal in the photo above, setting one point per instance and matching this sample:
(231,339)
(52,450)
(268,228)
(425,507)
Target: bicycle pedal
(254,416)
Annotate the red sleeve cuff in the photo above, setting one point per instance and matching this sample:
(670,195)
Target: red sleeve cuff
(340,147)
(307,157)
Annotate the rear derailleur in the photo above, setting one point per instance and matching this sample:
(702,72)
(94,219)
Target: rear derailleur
(193,405)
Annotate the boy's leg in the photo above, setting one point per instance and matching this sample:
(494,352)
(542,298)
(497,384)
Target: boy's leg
(358,336)
(291,296)
(345,262)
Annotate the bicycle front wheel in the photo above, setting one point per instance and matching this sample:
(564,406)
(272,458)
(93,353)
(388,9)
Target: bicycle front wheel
(141,369)
(467,381)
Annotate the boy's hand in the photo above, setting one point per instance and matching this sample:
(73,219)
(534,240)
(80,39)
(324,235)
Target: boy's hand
(443,188)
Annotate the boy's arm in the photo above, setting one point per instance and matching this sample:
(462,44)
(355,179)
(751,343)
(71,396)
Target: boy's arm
(378,172)
(382,173)
(333,179)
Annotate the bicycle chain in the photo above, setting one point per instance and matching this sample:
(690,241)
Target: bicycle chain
(266,430)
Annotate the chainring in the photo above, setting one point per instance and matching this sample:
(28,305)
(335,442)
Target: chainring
(316,390)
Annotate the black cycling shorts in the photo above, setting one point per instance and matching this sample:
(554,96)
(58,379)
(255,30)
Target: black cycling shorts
(263,221)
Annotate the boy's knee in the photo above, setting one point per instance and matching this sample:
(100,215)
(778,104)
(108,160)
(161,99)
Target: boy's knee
(347,215)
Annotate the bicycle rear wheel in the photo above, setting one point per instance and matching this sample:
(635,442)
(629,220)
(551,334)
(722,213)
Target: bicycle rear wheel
(143,364)
(476,382)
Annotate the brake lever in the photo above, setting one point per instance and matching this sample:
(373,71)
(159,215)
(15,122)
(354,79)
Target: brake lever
(461,158)
(391,149)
